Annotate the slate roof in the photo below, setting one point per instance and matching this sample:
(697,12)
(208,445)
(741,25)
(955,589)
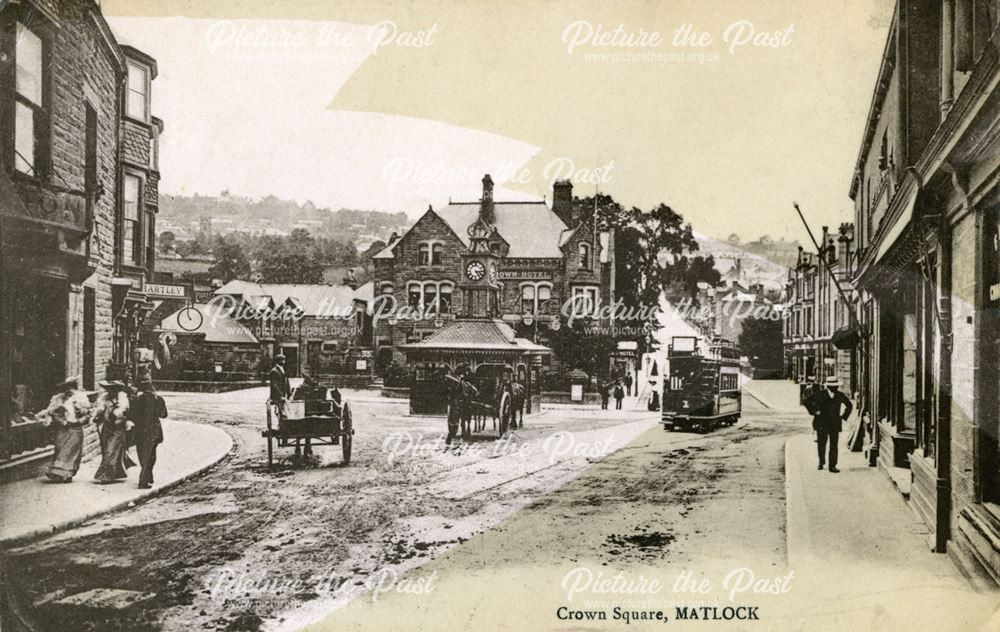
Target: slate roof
(216,326)
(531,228)
(314,300)
(486,335)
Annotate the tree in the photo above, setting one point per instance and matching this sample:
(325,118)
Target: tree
(166,241)
(577,348)
(231,261)
(289,260)
(652,252)
(761,341)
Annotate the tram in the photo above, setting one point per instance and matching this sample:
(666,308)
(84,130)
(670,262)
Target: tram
(701,386)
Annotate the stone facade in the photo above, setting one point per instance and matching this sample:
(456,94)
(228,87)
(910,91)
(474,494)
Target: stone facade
(926,205)
(546,257)
(60,207)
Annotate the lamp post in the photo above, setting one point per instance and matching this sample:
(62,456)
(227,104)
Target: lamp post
(533,318)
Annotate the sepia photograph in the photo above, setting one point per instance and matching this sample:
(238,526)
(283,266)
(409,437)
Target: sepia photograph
(554,315)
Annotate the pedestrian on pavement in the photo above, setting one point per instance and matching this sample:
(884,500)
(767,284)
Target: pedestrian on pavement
(603,389)
(628,383)
(145,411)
(69,411)
(829,409)
(281,390)
(619,396)
(111,417)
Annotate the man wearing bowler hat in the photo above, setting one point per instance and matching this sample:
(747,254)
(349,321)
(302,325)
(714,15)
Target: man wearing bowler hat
(829,408)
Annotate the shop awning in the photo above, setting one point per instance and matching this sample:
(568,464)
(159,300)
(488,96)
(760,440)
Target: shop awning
(897,229)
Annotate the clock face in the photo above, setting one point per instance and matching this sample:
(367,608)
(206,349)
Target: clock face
(475,270)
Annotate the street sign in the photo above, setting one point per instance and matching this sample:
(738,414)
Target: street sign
(165,291)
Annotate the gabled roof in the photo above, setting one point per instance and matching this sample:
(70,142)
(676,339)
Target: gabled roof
(531,228)
(215,324)
(314,300)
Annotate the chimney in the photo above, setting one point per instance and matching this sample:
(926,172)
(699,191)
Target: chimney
(486,210)
(562,202)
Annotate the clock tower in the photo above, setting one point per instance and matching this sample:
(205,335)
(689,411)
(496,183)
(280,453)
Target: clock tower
(480,291)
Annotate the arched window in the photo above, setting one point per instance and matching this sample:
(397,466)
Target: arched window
(544,294)
(430,297)
(424,257)
(444,298)
(436,250)
(584,255)
(413,295)
(528,299)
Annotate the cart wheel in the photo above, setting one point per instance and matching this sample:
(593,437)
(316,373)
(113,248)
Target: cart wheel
(504,413)
(347,432)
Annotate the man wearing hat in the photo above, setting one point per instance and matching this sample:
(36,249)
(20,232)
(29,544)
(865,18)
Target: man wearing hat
(281,390)
(829,408)
(145,411)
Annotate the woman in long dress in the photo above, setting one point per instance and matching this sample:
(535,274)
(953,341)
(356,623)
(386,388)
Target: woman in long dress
(112,408)
(69,412)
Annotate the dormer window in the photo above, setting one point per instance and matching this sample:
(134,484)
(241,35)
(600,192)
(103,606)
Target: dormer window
(585,256)
(137,99)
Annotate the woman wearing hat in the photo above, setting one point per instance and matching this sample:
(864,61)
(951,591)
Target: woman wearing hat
(69,412)
(112,409)
(146,411)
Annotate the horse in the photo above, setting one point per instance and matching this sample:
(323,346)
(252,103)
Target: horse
(460,396)
(515,392)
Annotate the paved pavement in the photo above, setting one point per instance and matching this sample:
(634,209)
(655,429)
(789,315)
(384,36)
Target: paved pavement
(32,508)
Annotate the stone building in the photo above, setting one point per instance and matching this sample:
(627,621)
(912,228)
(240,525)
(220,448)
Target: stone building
(820,330)
(927,201)
(71,108)
(547,257)
(323,331)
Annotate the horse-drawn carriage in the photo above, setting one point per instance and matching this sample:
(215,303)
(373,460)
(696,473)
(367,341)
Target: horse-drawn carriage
(314,415)
(489,392)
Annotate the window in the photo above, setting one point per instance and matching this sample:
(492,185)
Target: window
(584,301)
(528,299)
(585,255)
(150,243)
(90,158)
(154,151)
(131,229)
(444,298)
(430,253)
(533,297)
(430,297)
(29,113)
(413,292)
(387,288)
(137,101)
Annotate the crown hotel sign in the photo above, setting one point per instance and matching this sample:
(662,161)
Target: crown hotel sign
(534,275)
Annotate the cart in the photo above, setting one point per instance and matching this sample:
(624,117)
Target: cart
(313,414)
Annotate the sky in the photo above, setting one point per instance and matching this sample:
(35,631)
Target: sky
(726,110)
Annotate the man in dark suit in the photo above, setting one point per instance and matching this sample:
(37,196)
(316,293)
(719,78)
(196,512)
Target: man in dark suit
(829,409)
(145,412)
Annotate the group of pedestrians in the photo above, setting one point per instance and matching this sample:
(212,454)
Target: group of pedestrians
(617,389)
(124,416)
